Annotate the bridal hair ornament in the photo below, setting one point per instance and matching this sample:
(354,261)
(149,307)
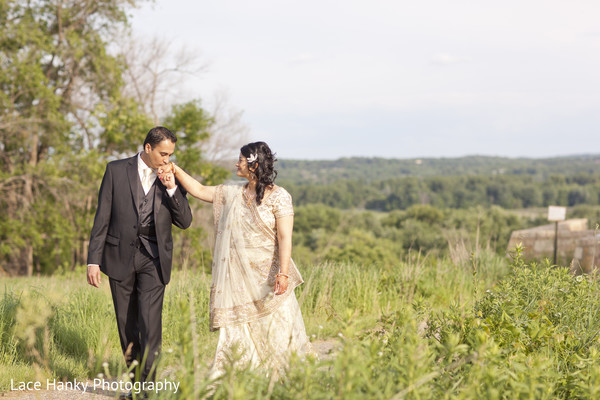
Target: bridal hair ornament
(252,158)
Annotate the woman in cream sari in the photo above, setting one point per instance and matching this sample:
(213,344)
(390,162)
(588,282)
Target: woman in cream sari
(252,300)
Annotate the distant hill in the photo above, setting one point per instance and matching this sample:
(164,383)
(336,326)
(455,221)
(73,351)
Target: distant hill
(310,172)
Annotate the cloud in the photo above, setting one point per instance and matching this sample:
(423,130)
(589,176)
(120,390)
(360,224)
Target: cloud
(302,58)
(446,59)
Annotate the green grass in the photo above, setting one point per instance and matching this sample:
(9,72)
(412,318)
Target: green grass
(425,328)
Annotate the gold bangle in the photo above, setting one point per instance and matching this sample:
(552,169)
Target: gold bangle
(286,275)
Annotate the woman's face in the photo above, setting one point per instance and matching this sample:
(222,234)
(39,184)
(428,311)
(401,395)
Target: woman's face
(242,167)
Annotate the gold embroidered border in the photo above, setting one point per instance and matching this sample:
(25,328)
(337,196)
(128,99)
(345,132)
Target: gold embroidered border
(249,312)
(258,220)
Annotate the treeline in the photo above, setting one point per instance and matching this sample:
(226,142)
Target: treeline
(381,221)
(323,233)
(309,172)
(506,191)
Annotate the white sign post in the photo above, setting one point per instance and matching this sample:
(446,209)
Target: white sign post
(556,214)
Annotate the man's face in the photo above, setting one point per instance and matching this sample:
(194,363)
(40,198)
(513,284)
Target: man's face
(159,155)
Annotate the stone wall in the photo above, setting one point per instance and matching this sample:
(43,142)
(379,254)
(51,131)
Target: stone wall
(587,254)
(575,244)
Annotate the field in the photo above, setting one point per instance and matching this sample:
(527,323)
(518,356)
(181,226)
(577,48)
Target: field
(406,277)
(426,328)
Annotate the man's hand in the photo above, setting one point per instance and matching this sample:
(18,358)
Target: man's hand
(94,276)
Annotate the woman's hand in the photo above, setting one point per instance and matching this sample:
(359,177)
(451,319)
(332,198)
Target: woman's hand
(281,284)
(170,167)
(166,175)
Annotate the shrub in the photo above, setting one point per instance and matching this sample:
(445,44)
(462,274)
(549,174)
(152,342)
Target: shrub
(541,325)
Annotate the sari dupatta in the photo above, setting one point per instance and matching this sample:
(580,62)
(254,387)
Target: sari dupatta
(245,262)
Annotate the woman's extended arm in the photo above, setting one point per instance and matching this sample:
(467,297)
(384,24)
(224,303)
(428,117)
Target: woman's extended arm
(191,185)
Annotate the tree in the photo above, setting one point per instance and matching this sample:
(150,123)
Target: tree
(58,87)
(155,73)
(68,103)
(227,134)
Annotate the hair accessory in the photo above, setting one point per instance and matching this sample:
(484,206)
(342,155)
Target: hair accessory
(252,158)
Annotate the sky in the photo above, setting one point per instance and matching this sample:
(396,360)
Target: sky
(394,78)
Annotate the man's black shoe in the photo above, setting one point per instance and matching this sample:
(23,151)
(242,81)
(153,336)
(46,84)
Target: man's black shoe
(126,396)
(129,396)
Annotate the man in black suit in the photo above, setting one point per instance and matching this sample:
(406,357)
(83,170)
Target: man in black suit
(131,242)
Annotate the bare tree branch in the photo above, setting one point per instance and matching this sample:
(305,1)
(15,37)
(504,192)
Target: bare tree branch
(227,134)
(155,74)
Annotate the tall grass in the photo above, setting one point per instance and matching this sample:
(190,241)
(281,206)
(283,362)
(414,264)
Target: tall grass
(426,328)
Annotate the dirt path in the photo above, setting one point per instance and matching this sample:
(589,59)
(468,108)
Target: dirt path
(324,348)
(59,394)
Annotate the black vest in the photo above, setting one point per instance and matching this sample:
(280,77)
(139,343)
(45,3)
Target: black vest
(146,227)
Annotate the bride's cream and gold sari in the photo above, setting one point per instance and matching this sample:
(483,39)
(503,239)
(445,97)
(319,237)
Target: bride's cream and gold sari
(267,328)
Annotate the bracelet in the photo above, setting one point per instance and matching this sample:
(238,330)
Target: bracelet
(286,275)
(172,165)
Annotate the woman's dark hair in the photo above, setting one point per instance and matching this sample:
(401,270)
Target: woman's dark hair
(158,134)
(263,166)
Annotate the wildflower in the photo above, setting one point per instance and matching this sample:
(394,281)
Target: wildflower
(579,278)
(320,326)
(385,341)
(100,375)
(131,375)
(380,353)
(313,336)
(104,364)
(134,363)
(340,335)
(170,351)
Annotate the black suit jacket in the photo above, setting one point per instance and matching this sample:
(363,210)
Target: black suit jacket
(114,234)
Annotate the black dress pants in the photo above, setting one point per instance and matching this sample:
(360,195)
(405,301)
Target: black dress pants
(138,301)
